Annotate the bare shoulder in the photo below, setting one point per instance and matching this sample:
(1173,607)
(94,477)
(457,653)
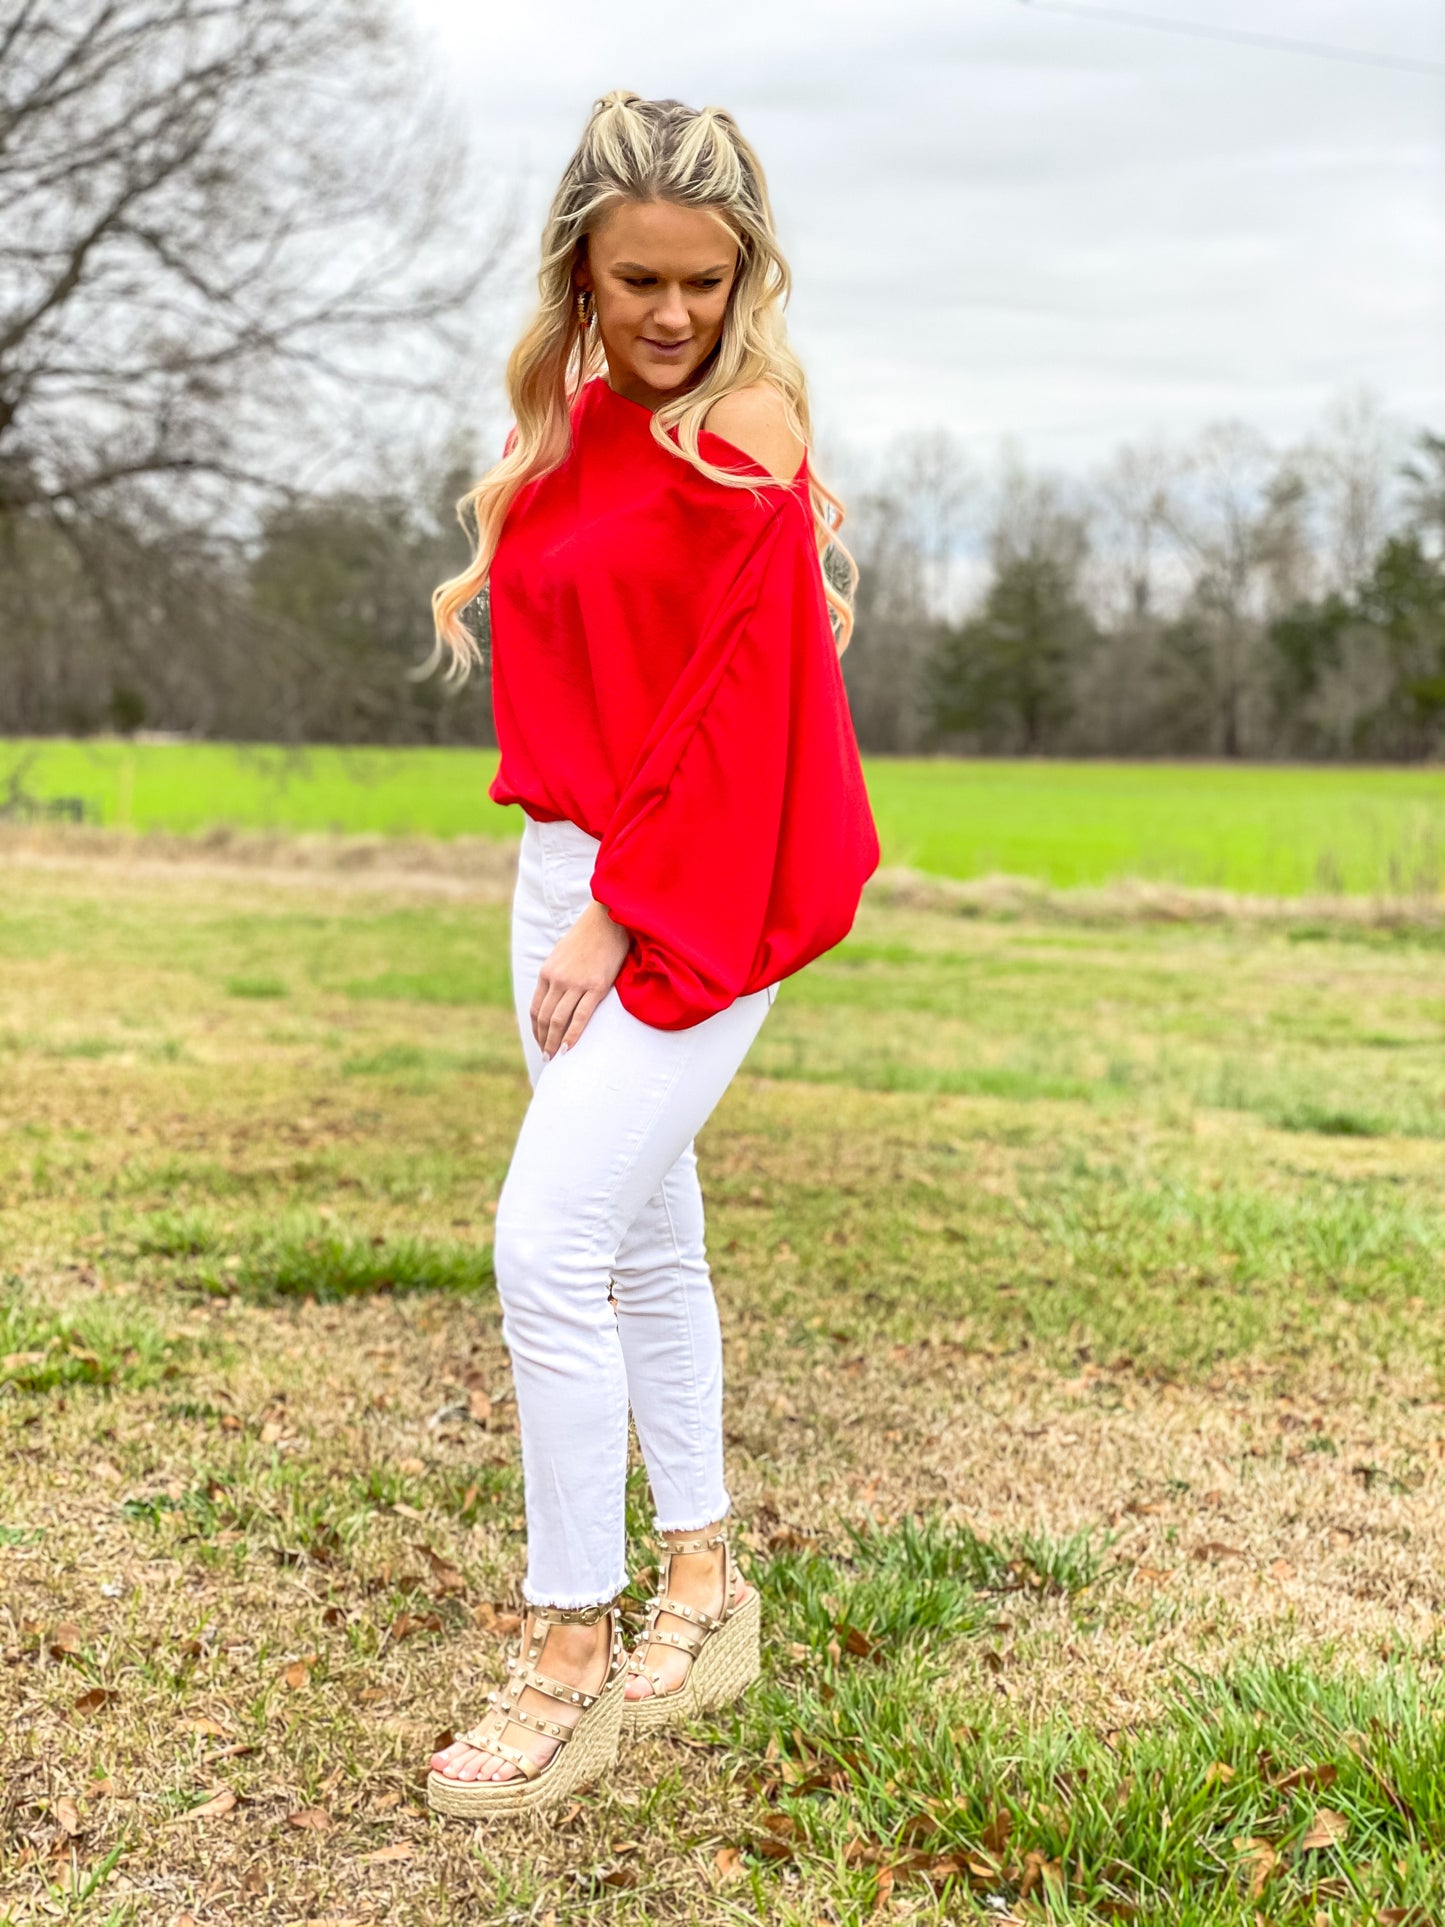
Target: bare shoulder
(755,419)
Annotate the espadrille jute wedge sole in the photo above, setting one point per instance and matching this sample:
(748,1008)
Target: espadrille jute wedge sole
(725,1651)
(585,1750)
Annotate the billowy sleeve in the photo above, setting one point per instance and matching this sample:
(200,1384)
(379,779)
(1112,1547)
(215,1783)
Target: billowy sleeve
(742,836)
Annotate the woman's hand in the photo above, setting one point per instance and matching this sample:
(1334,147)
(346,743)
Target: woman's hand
(577,974)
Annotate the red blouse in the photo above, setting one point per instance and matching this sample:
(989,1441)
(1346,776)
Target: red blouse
(664,675)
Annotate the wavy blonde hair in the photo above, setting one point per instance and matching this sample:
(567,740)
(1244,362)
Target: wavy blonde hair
(643,150)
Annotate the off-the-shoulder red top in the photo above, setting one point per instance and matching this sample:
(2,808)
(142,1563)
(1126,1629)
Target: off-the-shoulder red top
(664,675)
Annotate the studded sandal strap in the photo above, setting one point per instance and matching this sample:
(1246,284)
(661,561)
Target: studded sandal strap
(529,1767)
(709,1622)
(525,1676)
(691,1643)
(659,1685)
(554,1729)
(486,1735)
(698,1542)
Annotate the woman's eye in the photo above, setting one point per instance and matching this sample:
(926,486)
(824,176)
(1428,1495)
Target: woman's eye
(650,281)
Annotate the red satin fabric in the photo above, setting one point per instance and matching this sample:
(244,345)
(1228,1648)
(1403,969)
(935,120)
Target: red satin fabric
(664,675)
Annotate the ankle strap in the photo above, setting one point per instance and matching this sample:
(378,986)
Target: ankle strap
(697,1542)
(572,1615)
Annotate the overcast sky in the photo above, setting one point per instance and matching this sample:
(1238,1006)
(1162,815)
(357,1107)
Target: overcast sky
(1013,221)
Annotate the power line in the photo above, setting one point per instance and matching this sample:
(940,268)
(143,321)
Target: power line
(1241,36)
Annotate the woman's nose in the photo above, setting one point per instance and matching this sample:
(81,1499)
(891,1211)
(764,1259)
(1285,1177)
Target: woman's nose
(671,311)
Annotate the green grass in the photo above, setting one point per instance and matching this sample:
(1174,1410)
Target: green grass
(1083,1289)
(1268,829)
(1299,1786)
(299,1255)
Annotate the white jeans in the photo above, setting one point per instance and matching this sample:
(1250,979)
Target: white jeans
(602,1195)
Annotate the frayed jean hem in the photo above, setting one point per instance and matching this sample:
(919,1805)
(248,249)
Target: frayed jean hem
(691,1524)
(575,1602)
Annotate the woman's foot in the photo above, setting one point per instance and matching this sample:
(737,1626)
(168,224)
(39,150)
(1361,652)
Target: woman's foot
(693,1579)
(573,1655)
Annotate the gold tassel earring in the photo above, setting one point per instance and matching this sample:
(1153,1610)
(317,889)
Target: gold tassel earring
(582,316)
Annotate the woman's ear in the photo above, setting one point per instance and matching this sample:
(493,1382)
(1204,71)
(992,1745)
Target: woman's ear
(582,269)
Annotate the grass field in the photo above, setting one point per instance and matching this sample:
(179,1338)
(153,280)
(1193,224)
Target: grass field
(1084,1296)
(1282,831)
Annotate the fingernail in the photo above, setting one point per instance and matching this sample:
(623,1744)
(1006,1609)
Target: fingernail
(563,1049)
(546,1057)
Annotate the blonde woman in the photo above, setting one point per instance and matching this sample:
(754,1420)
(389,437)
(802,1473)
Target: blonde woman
(672,720)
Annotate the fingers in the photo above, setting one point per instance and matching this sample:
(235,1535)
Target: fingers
(549,1001)
(584,1008)
(552,1031)
(562,1018)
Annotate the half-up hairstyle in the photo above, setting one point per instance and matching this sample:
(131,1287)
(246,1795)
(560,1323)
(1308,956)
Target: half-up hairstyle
(644,150)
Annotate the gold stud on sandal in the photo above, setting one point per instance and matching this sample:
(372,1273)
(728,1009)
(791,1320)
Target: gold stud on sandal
(584,1750)
(724,1653)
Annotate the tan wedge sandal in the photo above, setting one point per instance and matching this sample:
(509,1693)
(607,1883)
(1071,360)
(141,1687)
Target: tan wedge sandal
(585,1750)
(725,1651)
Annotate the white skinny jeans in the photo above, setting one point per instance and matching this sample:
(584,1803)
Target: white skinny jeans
(602,1194)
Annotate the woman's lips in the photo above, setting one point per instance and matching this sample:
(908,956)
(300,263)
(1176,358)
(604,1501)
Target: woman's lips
(668,348)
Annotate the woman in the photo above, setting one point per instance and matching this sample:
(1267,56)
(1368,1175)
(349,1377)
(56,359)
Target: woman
(672,720)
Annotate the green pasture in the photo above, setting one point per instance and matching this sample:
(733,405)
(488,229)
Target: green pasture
(1274,830)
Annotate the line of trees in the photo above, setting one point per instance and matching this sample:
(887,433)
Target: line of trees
(1222,598)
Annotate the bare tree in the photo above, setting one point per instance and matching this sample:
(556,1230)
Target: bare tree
(1351,465)
(232,235)
(907,527)
(1237,512)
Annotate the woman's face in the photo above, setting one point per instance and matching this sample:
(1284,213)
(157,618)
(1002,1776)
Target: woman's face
(660,276)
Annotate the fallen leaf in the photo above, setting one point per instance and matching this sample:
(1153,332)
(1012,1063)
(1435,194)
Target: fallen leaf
(443,1572)
(68,1814)
(212,1809)
(1260,1860)
(407,1623)
(1326,1829)
(1216,1549)
(403,1850)
(411,1468)
(862,1645)
(296,1675)
(310,1819)
(1033,1872)
(1281,1569)
(97,1697)
(883,1893)
(66,1641)
(211,1728)
(729,1862)
(408,1512)
(1318,1777)
(1219,1771)
(621,1876)
(480,1406)
(995,1836)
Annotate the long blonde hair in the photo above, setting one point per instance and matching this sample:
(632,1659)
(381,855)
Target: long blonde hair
(643,150)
